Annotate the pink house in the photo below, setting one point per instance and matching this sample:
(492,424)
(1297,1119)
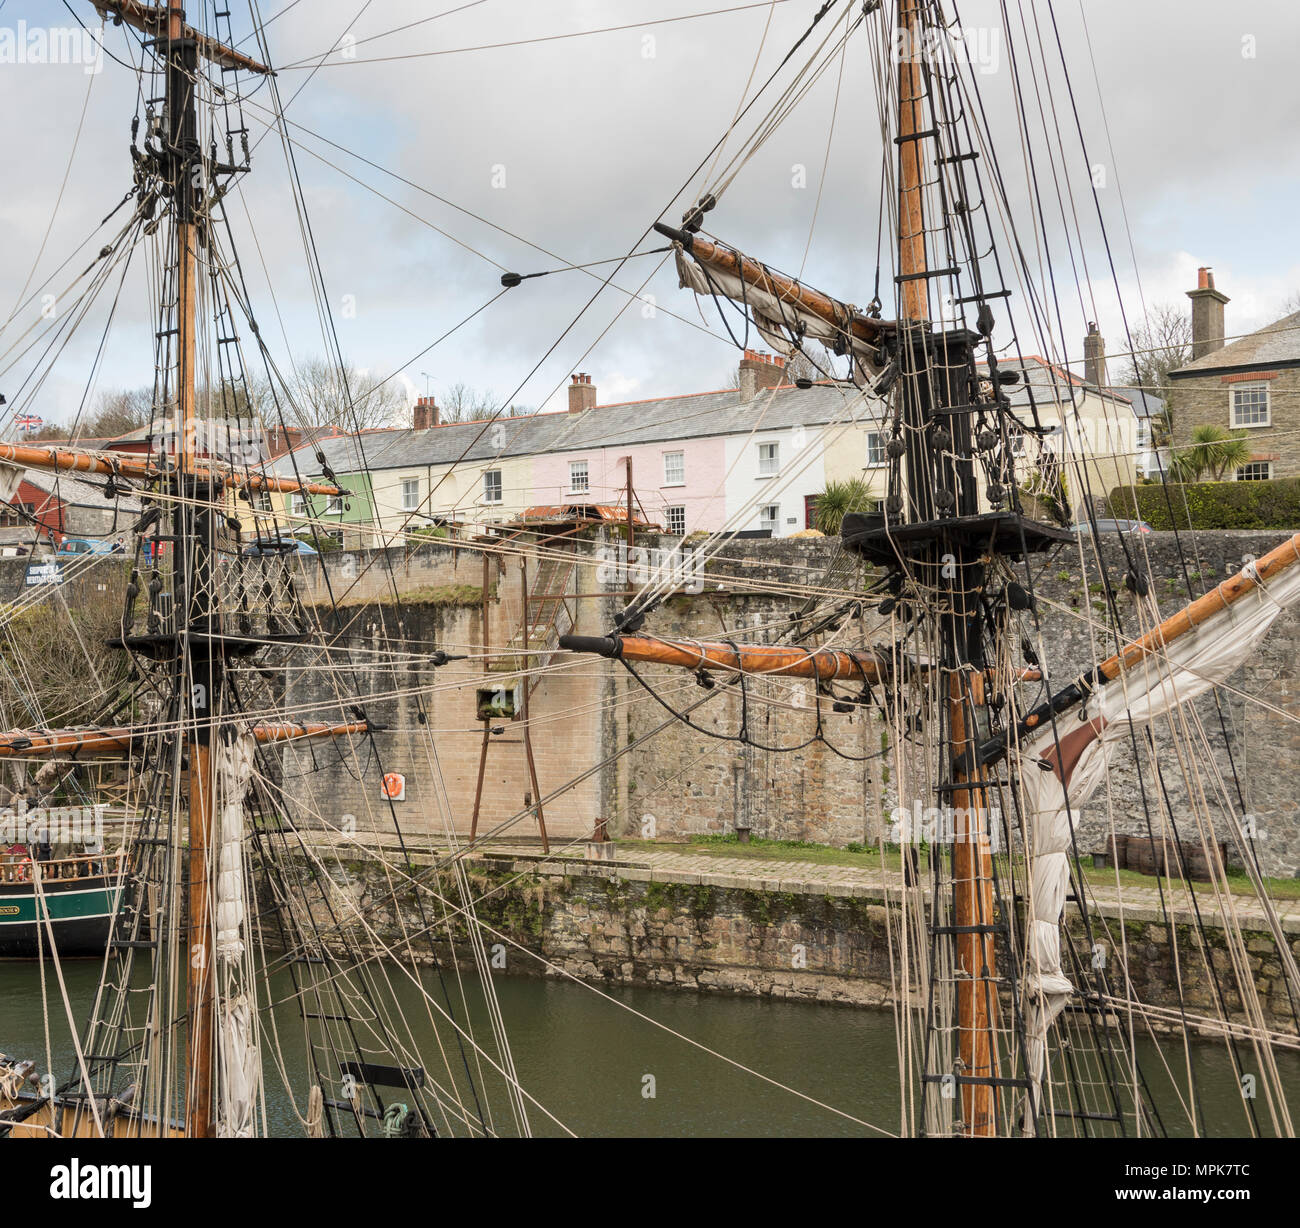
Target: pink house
(678,463)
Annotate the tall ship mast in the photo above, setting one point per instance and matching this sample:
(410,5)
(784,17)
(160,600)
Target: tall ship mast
(992,972)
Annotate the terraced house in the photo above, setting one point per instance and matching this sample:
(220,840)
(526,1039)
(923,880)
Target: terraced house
(1251,385)
(749,459)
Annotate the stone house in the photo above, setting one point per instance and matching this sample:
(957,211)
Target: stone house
(47,507)
(1252,384)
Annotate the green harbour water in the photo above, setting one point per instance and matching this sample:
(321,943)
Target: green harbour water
(592,1061)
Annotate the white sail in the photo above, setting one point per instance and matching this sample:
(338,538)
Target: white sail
(778,320)
(241,1069)
(234,768)
(1182,670)
(237,1048)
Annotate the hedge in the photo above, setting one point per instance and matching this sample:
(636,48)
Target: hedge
(1273,504)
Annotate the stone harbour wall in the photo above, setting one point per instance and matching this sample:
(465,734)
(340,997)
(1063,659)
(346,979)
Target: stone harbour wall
(622,924)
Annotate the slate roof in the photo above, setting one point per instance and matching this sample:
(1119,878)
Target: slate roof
(73,492)
(1276,345)
(662,419)
(658,420)
(1145,404)
(1050,384)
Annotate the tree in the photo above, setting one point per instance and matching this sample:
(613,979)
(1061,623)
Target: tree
(838,500)
(50,431)
(1213,451)
(319,392)
(118,413)
(1162,343)
(812,361)
(464,403)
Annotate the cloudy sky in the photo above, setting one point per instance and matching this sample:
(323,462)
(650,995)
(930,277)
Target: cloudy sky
(568,126)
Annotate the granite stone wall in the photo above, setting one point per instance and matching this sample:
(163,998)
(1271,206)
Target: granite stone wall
(821,942)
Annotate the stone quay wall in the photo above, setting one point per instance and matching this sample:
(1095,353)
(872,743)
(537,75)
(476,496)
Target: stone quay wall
(754,934)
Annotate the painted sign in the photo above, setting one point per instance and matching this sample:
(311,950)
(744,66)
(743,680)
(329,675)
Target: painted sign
(49,572)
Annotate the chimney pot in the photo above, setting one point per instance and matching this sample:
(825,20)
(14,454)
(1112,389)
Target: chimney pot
(758,369)
(425,414)
(582,393)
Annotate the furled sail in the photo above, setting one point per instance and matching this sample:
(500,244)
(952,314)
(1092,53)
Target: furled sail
(1182,659)
(235,765)
(784,311)
(240,1064)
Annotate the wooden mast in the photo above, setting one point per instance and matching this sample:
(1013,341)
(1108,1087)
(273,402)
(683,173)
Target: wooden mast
(198,680)
(972,869)
(911,215)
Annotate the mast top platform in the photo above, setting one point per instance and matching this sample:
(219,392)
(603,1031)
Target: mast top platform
(1006,533)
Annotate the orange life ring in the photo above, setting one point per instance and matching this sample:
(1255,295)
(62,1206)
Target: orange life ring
(394,785)
(24,869)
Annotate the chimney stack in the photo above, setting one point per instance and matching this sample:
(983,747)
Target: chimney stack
(1094,358)
(425,414)
(1207,314)
(759,370)
(582,393)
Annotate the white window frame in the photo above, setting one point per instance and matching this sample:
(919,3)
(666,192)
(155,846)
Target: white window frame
(1268,471)
(675,530)
(881,440)
(680,478)
(297,505)
(1256,386)
(410,494)
(574,488)
(488,496)
(774,521)
(334,504)
(769,459)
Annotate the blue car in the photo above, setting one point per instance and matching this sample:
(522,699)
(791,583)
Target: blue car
(263,546)
(88,545)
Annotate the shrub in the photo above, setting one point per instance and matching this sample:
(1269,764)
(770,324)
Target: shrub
(838,500)
(1273,504)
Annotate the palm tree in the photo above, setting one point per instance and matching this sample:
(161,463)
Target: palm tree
(838,500)
(1214,451)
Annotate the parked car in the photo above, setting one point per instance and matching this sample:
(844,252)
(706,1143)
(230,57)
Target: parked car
(1114,526)
(260,546)
(87,545)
